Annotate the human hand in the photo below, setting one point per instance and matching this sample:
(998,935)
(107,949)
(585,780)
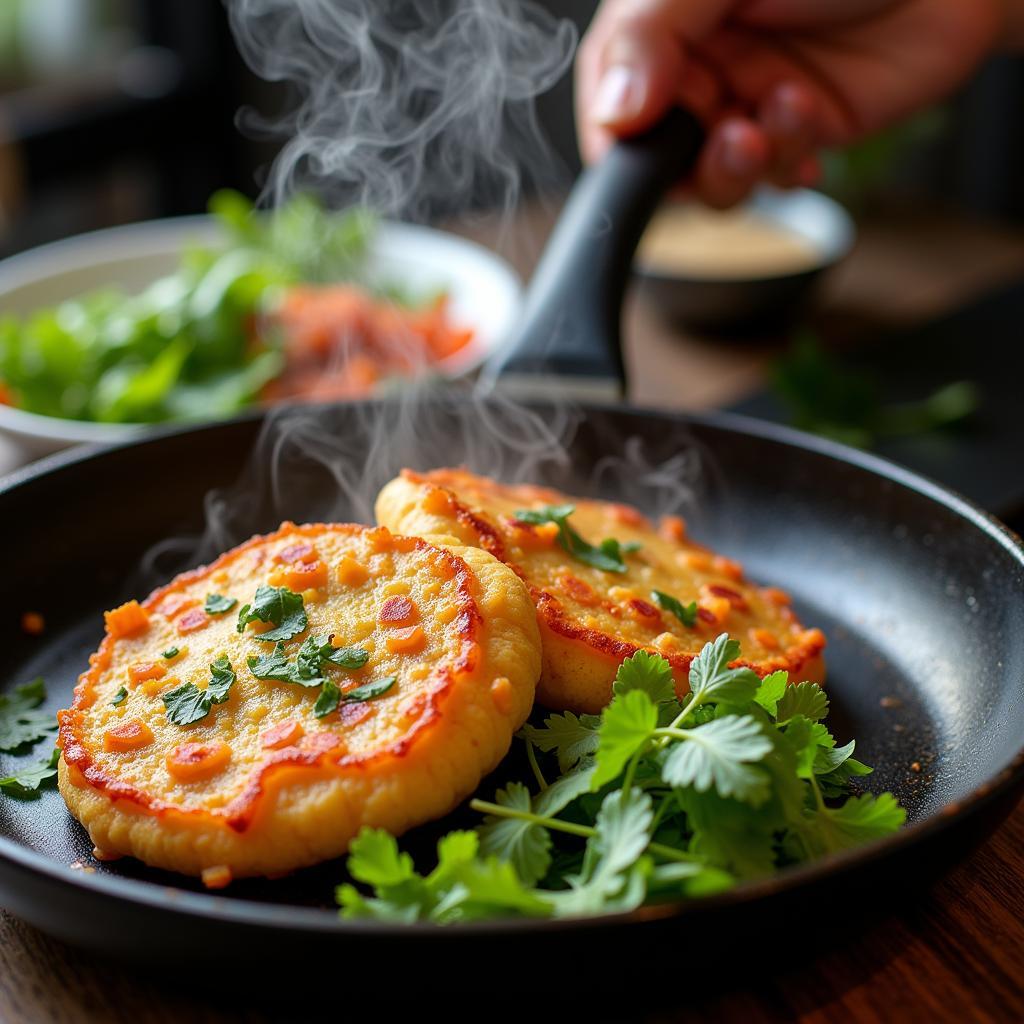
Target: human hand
(774,80)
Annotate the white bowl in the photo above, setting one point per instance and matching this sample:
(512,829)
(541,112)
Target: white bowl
(484,291)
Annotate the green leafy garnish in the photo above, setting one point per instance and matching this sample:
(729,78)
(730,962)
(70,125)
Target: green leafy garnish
(685,613)
(659,798)
(20,723)
(608,556)
(218,605)
(187,703)
(120,697)
(370,690)
(26,784)
(171,652)
(347,657)
(306,669)
(281,607)
(331,695)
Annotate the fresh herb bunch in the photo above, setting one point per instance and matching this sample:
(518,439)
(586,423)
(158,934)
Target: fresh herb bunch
(656,799)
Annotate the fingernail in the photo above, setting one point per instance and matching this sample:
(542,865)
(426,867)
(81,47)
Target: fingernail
(619,95)
(735,154)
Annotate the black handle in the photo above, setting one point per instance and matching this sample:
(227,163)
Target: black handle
(570,325)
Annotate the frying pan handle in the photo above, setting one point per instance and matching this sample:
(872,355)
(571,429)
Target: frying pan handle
(570,325)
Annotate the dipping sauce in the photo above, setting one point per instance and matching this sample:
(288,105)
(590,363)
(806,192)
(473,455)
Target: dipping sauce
(687,240)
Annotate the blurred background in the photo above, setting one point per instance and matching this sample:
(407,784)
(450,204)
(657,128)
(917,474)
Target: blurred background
(120,110)
(113,111)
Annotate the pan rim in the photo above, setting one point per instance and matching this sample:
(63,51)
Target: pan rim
(256,913)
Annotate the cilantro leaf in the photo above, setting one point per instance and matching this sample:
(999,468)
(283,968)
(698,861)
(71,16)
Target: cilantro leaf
(218,605)
(607,556)
(463,887)
(20,723)
(222,676)
(328,701)
(772,687)
(648,672)
(807,699)
(572,737)
(685,613)
(370,690)
(274,665)
(719,755)
(281,607)
(563,791)
(374,859)
(526,845)
(623,827)
(857,821)
(712,680)
(120,697)
(25,785)
(186,704)
(347,657)
(307,661)
(626,725)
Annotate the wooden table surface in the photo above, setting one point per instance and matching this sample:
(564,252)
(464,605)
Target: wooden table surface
(955,953)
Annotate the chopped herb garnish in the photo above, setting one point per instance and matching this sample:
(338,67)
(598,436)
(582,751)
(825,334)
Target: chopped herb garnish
(331,696)
(673,797)
(222,676)
(685,613)
(328,699)
(218,605)
(370,690)
(186,704)
(120,697)
(272,666)
(307,661)
(306,669)
(26,784)
(20,723)
(281,607)
(348,657)
(171,652)
(608,556)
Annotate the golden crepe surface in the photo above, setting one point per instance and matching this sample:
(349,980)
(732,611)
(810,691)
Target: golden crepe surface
(590,619)
(260,784)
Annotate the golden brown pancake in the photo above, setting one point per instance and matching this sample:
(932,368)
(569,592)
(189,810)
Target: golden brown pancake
(441,657)
(590,617)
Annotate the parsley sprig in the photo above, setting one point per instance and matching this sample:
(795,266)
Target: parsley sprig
(660,797)
(608,556)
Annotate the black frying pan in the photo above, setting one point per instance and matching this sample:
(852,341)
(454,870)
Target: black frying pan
(920,594)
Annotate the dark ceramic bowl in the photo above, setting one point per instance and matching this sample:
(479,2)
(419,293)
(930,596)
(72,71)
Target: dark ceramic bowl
(756,305)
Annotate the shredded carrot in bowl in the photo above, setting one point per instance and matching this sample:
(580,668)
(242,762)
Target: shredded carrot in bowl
(339,341)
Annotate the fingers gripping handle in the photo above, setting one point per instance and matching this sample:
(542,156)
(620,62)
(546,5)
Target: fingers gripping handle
(570,326)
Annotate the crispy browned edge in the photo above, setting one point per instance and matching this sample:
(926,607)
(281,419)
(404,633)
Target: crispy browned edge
(240,813)
(551,612)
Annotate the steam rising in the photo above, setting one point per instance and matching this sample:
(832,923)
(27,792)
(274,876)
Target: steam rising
(403,104)
(406,105)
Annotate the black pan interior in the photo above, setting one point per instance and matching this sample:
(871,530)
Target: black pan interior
(921,597)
